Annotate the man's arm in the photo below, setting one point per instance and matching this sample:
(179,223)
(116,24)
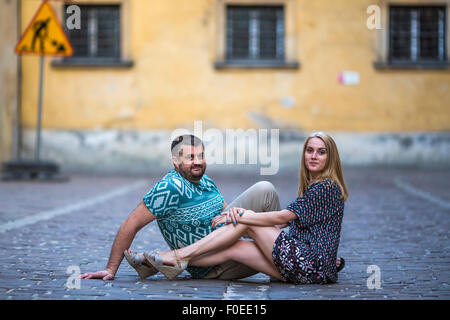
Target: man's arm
(140,217)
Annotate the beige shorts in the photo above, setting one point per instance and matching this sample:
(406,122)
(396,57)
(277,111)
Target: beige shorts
(230,270)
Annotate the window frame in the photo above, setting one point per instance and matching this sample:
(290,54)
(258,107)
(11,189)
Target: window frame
(383,61)
(254,28)
(289,61)
(123,61)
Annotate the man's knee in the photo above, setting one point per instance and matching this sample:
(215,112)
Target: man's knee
(267,195)
(264,187)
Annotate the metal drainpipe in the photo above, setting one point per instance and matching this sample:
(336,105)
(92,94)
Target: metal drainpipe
(17,127)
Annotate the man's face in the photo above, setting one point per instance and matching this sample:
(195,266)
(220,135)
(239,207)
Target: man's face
(191,163)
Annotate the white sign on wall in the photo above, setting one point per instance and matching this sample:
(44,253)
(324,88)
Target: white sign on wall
(348,78)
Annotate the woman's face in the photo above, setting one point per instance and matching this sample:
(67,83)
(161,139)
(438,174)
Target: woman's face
(315,156)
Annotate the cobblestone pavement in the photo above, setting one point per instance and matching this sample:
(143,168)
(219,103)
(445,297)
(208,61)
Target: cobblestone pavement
(395,219)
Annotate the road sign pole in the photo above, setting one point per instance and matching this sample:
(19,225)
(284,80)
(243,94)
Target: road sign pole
(43,36)
(39,123)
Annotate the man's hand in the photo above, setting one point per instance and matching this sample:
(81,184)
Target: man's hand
(104,275)
(219,220)
(140,217)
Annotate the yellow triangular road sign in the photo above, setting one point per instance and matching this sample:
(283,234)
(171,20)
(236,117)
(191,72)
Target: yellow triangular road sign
(44,35)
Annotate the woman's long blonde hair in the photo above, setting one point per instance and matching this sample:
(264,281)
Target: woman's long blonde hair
(332,169)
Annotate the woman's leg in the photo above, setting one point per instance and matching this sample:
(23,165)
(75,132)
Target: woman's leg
(213,246)
(217,240)
(242,251)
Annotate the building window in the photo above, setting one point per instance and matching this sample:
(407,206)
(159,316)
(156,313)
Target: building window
(99,35)
(255,33)
(417,34)
(98,42)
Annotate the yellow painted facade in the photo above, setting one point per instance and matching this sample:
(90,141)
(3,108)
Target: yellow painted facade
(174,44)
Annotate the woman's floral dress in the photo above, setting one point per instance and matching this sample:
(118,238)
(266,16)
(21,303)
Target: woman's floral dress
(308,252)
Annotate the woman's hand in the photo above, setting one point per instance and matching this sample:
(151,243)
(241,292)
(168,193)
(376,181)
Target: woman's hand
(234,214)
(226,217)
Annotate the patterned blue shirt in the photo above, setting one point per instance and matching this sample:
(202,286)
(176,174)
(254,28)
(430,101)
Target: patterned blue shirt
(184,211)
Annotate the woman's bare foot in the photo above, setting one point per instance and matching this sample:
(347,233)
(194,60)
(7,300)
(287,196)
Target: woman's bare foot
(168,257)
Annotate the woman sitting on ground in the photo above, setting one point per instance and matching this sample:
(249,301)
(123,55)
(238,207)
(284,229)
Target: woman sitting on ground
(307,253)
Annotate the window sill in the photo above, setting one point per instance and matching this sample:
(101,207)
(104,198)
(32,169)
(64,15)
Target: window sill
(91,63)
(255,64)
(386,65)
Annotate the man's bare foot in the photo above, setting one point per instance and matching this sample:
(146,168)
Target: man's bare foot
(340,264)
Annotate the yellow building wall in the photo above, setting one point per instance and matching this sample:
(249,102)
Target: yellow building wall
(173,80)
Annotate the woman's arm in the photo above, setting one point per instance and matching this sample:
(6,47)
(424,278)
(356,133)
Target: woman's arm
(262,219)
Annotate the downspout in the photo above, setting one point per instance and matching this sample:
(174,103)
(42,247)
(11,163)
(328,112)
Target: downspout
(17,126)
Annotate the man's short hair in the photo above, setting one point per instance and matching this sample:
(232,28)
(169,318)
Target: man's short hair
(187,139)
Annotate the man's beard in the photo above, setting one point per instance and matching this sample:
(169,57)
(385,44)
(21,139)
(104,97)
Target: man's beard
(193,176)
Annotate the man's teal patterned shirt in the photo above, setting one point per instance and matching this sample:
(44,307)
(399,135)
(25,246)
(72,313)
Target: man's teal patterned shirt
(184,211)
